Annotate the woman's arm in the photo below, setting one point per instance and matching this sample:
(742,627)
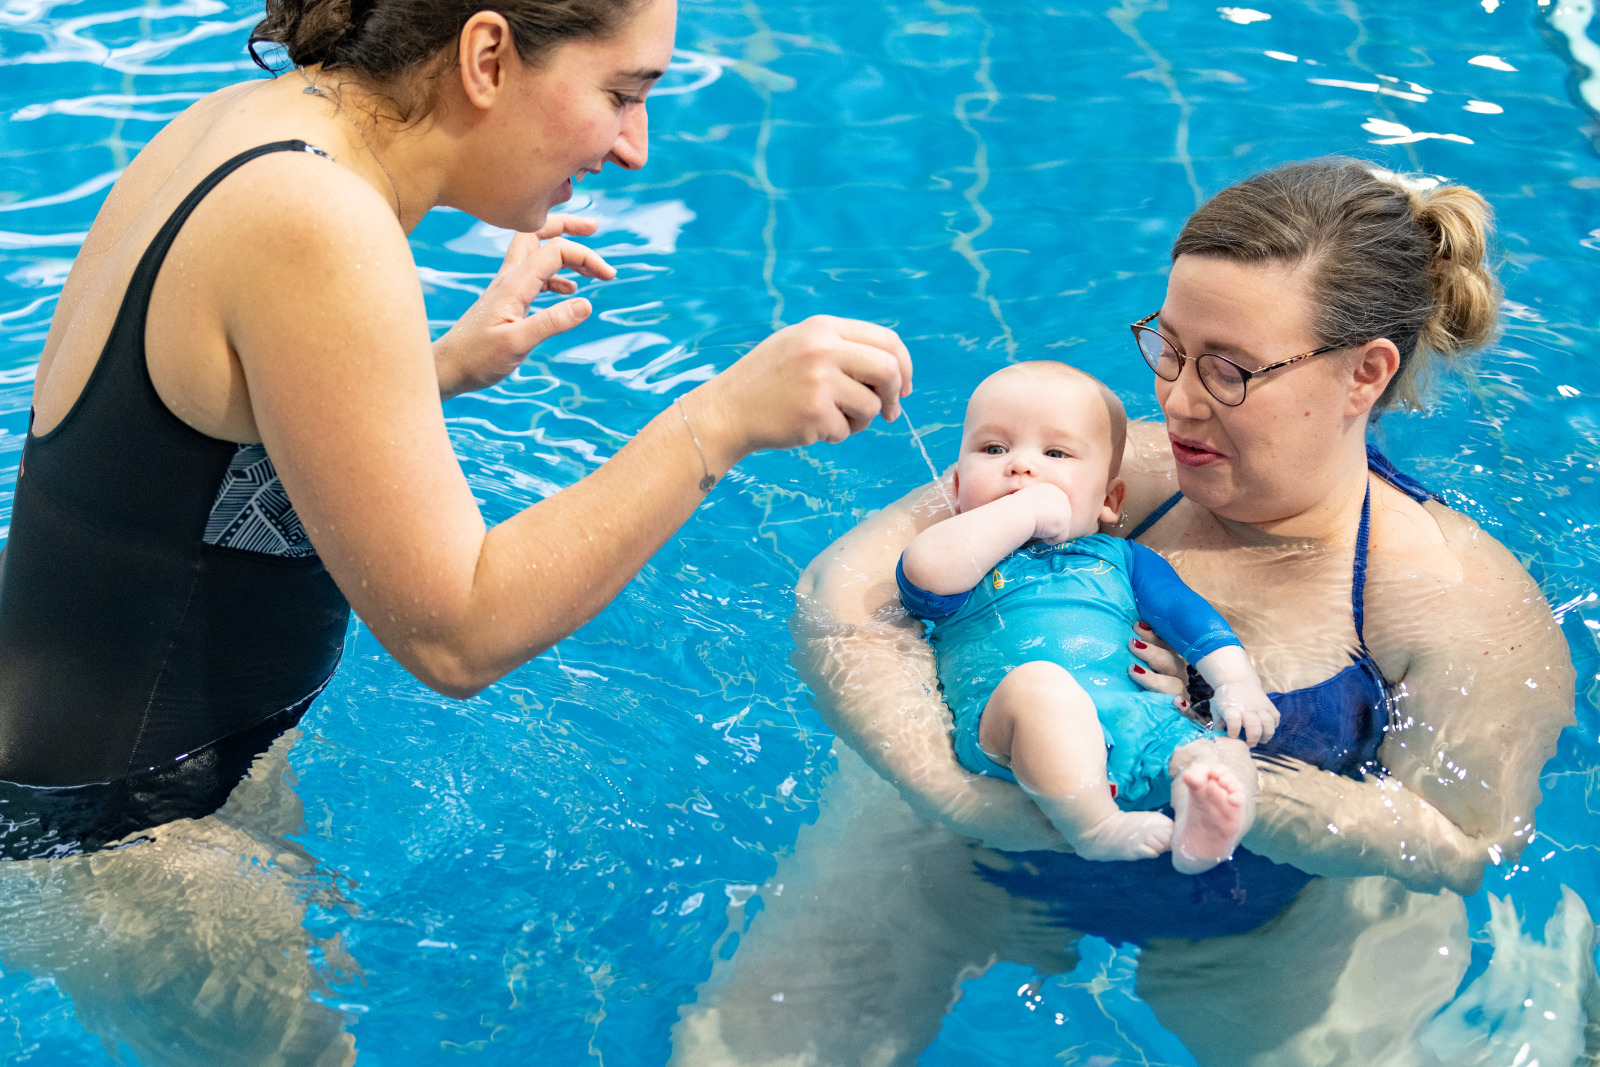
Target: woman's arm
(1485,692)
(328,322)
(876,686)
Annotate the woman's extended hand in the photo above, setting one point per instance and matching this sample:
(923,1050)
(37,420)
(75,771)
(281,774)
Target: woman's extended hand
(818,380)
(497,333)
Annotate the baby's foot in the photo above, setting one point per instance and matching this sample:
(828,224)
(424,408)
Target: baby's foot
(1127,835)
(1213,821)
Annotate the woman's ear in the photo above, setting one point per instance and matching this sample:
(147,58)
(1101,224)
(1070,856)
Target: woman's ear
(1376,363)
(483,51)
(1116,494)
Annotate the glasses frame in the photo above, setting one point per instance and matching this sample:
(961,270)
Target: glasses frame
(1244,375)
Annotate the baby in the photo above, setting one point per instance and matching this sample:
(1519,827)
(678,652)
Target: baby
(1030,605)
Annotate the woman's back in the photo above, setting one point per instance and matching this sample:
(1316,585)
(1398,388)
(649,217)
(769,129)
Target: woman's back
(162,612)
(191,360)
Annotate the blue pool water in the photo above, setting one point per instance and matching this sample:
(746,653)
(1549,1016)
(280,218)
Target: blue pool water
(543,874)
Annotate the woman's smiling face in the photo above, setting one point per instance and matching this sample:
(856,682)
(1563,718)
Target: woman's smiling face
(1268,458)
(552,123)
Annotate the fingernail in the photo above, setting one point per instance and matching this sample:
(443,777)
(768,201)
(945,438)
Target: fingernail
(1142,626)
(1139,644)
(1138,669)
(1183,703)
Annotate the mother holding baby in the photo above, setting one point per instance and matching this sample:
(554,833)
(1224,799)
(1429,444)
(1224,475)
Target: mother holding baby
(1420,676)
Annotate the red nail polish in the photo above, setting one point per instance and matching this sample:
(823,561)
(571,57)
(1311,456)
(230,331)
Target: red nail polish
(1138,669)
(1139,644)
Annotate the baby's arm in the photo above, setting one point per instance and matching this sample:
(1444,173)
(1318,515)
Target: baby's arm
(1194,628)
(952,556)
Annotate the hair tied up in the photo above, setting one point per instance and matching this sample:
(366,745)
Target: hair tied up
(1466,297)
(1398,256)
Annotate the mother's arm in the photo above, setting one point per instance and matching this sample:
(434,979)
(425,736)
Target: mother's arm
(1486,691)
(876,685)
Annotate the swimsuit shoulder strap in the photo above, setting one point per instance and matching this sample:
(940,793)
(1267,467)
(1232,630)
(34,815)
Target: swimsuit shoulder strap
(121,375)
(137,302)
(1379,464)
(1155,516)
(1358,579)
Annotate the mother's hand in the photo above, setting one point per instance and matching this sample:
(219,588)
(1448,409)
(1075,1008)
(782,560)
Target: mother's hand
(1162,670)
(496,334)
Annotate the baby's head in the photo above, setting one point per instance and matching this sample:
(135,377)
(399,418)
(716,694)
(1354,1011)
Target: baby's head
(1044,422)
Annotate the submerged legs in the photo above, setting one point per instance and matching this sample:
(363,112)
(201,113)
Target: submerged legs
(189,948)
(867,931)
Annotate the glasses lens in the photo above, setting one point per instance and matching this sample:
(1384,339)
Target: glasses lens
(1223,379)
(1157,353)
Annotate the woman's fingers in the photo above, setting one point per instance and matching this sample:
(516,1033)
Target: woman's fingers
(522,246)
(879,370)
(562,254)
(547,322)
(810,382)
(857,404)
(562,224)
(1160,669)
(885,340)
(531,266)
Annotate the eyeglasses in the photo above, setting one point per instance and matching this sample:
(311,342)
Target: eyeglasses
(1222,377)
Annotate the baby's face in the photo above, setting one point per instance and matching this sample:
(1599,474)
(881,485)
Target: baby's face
(1025,427)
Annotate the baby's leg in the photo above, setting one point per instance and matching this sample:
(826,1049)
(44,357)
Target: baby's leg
(1042,722)
(1213,801)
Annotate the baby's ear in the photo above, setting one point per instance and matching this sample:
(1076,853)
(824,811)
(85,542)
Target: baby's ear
(955,489)
(1116,492)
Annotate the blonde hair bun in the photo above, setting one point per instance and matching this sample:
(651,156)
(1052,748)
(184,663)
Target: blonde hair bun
(1465,294)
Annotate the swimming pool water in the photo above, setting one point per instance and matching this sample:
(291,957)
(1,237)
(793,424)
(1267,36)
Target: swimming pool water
(544,873)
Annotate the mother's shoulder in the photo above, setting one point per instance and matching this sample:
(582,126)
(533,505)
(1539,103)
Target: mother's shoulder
(1434,537)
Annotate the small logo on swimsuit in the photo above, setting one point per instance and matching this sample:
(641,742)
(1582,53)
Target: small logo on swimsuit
(997,581)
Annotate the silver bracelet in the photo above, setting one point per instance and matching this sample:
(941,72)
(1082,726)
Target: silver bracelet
(709,479)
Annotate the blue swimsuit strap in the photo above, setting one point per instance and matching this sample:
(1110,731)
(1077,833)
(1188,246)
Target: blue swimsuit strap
(1358,577)
(1379,464)
(1155,516)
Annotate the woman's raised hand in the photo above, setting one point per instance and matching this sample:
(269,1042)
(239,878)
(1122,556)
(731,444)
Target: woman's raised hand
(497,333)
(818,380)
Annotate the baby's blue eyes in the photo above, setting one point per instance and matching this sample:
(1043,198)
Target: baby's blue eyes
(1000,450)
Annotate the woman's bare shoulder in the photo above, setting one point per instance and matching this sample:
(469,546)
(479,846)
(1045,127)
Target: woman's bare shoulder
(1441,590)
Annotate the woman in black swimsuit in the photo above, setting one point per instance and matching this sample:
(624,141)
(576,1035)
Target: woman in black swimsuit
(237,434)
(237,438)
(1420,675)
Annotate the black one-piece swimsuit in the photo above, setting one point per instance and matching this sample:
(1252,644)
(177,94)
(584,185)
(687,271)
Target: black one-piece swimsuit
(163,616)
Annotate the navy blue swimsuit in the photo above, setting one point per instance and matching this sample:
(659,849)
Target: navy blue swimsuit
(1335,725)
